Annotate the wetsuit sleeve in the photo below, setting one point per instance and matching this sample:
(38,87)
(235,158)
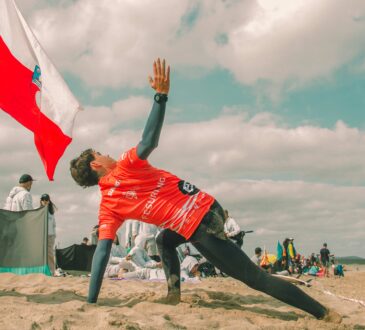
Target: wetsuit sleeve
(152,130)
(100,261)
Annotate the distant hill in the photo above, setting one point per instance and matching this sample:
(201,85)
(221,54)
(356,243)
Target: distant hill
(351,260)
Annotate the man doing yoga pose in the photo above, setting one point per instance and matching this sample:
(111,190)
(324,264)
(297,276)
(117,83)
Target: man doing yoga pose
(132,189)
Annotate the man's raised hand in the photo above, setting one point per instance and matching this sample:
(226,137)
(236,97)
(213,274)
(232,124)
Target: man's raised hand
(161,77)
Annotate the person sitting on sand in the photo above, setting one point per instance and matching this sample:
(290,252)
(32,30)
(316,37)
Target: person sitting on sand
(189,269)
(313,270)
(190,266)
(138,255)
(116,265)
(132,189)
(117,250)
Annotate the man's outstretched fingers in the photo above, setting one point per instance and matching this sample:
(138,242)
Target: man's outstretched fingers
(158,67)
(154,70)
(167,78)
(163,69)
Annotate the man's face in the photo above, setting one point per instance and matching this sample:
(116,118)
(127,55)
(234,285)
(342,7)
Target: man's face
(28,185)
(104,160)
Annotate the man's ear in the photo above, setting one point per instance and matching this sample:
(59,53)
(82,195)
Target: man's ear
(95,166)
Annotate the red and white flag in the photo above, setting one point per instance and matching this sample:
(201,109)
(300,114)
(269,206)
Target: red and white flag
(31,89)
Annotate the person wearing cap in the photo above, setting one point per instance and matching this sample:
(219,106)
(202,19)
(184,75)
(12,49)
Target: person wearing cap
(46,201)
(19,198)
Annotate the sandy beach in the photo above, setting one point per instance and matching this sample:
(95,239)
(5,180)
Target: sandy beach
(40,302)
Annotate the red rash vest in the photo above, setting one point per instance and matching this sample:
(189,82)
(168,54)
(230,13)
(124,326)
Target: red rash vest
(136,190)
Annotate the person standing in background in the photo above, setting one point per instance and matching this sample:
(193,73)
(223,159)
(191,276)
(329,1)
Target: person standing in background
(232,230)
(19,198)
(149,232)
(93,236)
(325,259)
(131,232)
(46,200)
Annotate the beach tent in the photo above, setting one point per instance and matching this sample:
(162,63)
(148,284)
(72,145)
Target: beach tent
(75,257)
(23,241)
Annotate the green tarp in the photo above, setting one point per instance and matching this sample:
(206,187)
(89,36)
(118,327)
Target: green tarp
(23,241)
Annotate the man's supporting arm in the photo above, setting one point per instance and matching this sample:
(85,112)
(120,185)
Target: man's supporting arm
(100,261)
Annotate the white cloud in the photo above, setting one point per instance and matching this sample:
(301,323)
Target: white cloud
(133,108)
(235,146)
(312,213)
(285,42)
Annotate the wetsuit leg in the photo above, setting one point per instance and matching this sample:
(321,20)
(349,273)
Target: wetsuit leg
(167,242)
(100,261)
(230,259)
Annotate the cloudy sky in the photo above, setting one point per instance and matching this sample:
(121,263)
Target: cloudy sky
(266,110)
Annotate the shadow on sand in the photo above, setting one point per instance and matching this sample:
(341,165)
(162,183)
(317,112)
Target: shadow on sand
(234,301)
(59,297)
(197,298)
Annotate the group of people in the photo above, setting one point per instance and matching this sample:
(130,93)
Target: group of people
(138,261)
(291,262)
(20,199)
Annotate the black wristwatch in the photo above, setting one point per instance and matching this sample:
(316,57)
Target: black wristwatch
(159,98)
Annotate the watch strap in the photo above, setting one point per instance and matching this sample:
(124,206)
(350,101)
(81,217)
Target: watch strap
(159,98)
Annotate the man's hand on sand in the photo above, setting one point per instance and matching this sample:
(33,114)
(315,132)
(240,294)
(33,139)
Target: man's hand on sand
(161,77)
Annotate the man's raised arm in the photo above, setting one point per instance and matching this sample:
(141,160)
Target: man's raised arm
(151,134)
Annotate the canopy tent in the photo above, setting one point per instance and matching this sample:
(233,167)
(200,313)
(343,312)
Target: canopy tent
(75,257)
(23,241)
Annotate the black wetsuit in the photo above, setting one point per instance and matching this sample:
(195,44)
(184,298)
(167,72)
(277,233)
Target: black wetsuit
(210,241)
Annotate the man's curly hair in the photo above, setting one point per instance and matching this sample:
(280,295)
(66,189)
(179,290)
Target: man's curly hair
(81,171)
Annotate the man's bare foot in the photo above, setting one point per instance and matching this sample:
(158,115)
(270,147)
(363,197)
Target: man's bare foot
(332,316)
(170,299)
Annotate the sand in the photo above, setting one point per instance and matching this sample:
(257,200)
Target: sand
(40,302)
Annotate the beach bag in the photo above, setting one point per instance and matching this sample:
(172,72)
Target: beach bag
(339,270)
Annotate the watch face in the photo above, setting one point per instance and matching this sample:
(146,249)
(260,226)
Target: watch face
(157,98)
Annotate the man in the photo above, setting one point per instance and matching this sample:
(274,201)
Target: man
(233,230)
(325,259)
(19,198)
(85,241)
(256,258)
(132,189)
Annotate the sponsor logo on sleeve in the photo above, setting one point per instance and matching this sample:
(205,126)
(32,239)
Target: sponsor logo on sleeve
(187,188)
